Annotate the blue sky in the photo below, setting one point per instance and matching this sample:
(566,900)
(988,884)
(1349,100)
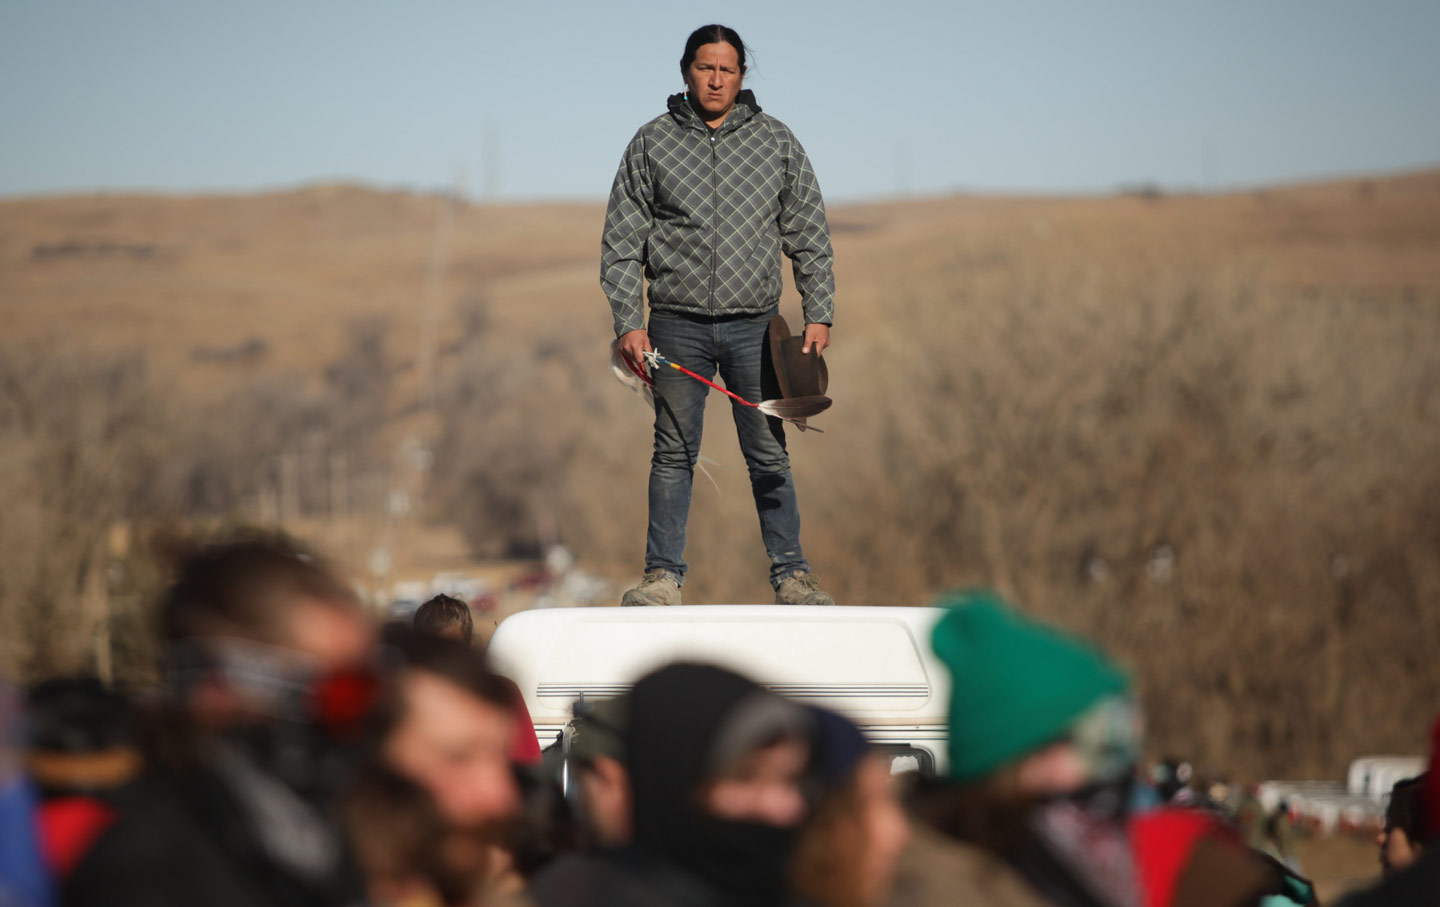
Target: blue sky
(902,95)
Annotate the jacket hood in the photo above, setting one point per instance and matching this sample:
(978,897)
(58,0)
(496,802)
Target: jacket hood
(675,743)
(745,107)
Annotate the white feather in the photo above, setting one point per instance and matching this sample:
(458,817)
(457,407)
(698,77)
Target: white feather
(643,386)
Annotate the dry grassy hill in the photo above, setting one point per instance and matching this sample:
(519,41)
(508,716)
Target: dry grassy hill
(294,269)
(1200,428)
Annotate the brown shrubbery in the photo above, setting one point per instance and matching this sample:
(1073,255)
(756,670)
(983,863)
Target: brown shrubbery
(81,448)
(1234,488)
(104,466)
(1202,431)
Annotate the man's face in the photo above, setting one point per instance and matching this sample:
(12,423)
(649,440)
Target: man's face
(714,79)
(764,787)
(886,830)
(605,785)
(1056,769)
(335,634)
(1396,849)
(456,747)
(455,632)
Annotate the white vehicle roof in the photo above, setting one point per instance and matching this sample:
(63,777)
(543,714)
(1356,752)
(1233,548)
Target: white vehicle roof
(872,664)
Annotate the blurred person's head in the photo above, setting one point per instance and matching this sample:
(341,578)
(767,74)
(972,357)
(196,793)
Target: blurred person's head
(250,625)
(717,766)
(850,848)
(713,66)
(84,737)
(1405,829)
(449,728)
(446,616)
(597,752)
(267,589)
(1044,740)
(1045,707)
(266,646)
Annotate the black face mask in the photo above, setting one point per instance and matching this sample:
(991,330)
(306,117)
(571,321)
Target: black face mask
(1076,846)
(303,756)
(1106,801)
(674,717)
(309,725)
(750,860)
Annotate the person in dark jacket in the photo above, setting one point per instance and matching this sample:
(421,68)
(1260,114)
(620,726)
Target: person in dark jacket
(707,198)
(267,666)
(718,768)
(1418,884)
(24,879)
(83,753)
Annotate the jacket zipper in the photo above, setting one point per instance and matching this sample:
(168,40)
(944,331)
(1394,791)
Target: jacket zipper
(715,214)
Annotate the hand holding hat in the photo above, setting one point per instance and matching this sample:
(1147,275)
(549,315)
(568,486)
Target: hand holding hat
(818,335)
(799,370)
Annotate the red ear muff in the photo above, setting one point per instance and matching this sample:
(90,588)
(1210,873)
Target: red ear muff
(344,699)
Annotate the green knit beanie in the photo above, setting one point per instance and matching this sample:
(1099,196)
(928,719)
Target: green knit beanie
(1016,685)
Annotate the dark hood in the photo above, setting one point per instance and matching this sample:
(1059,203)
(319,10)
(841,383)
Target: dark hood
(745,107)
(676,714)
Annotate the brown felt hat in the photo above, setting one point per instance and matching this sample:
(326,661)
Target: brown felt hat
(798,374)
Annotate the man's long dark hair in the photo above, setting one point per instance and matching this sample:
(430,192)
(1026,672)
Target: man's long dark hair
(711,34)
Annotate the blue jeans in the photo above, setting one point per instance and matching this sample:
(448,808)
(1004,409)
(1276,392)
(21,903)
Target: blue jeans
(735,346)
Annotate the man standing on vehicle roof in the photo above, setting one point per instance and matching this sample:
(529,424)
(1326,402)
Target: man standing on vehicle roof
(707,197)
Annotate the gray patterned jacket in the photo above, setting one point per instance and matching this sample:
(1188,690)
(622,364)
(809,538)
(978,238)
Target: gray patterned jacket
(705,217)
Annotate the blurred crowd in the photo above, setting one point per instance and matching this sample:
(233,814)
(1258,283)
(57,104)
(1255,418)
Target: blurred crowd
(295,753)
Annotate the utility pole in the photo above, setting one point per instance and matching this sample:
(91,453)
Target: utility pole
(902,169)
(289,486)
(433,291)
(339,486)
(490,160)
